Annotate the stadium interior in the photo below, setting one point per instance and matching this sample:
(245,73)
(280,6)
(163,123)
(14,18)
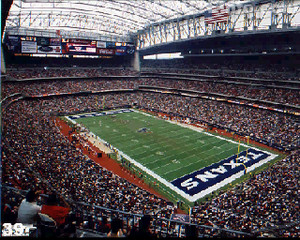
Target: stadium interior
(228,68)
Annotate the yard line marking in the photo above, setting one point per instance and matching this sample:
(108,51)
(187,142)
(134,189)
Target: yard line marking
(161,166)
(195,129)
(176,169)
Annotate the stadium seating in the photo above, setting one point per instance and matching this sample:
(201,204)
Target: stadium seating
(36,154)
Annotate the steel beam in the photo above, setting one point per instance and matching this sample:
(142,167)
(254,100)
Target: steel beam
(253,16)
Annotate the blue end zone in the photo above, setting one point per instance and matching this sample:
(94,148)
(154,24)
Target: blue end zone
(194,183)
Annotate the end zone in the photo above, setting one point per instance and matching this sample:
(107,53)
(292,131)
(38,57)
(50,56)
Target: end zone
(206,180)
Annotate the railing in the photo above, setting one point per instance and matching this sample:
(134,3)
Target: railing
(160,226)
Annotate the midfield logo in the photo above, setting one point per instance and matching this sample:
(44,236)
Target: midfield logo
(100,114)
(198,181)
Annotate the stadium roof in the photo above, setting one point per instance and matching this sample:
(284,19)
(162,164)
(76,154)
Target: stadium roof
(114,18)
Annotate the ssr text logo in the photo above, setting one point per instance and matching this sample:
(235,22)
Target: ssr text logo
(16,230)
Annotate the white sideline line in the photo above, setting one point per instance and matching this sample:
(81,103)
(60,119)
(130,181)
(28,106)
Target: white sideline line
(177,190)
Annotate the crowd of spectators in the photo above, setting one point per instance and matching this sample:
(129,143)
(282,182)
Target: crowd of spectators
(275,128)
(29,73)
(51,155)
(35,155)
(31,142)
(273,75)
(269,200)
(225,68)
(67,86)
(271,126)
(277,95)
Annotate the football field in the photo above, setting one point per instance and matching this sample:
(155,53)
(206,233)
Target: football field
(188,161)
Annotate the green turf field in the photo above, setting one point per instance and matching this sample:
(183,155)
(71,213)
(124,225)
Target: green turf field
(165,150)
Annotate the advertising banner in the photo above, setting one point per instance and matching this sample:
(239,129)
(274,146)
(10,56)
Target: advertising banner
(105,51)
(49,49)
(13,43)
(101,44)
(28,47)
(56,45)
(55,42)
(83,42)
(71,47)
(80,46)
(43,41)
(121,51)
(124,50)
(48,45)
(110,45)
(130,49)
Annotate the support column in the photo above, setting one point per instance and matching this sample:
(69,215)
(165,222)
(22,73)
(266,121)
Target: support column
(136,61)
(3,67)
